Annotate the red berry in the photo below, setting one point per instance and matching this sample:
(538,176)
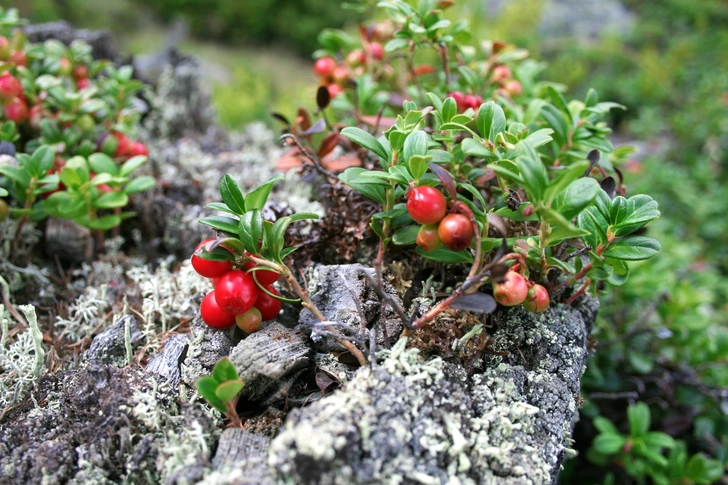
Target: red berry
(377,50)
(537,299)
(340,74)
(16,110)
(138,148)
(513,291)
(501,73)
(455,231)
(80,71)
(356,57)
(209,268)
(263,276)
(122,149)
(269,307)
(19,58)
(249,321)
(10,87)
(514,88)
(334,90)
(426,205)
(471,102)
(324,66)
(213,315)
(236,292)
(459,98)
(428,239)
(82,83)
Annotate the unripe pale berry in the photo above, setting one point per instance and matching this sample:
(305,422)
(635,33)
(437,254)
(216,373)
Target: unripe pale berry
(537,299)
(511,292)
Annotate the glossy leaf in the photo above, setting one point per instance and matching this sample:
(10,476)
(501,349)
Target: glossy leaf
(102,163)
(224,370)
(221,223)
(633,248)
(139,184)
(207,387)
(491,120)
(576,197)
(257,198)
(111,200)
(232,195)
(446,255)
(132,164)
(363,138)
(228,390)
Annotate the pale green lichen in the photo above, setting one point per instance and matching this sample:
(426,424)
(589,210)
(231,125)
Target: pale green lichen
(22,362)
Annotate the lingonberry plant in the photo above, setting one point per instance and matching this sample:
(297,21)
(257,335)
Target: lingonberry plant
(69,117)
(246,259)
(475,160)
(221,389)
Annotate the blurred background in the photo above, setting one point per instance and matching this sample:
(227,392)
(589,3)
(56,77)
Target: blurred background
(663,337)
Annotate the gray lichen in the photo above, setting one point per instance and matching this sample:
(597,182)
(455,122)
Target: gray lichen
(412,420)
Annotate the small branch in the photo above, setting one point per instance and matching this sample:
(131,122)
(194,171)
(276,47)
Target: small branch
(389,299)
(446,63)
(314,160)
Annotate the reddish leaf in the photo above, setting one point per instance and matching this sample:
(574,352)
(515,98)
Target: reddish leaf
(328,143)
(323,98)
(445,178)
(303,120)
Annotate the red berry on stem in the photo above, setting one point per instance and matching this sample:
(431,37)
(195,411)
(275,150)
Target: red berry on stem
(209,268)
(35,114)
(514,88)
(138,148)
(428,238)
(269,307)
(511,292)
(377,50)
(324,66)
(426,204)
(263,276)
(236,292)
(459,98)
(10,87)
(537,299)
(471,102)
(340,74)
(16,110)
(501,73)
(19,58)
(122,149)
(80,71)
(82,83)
(456,232)
(213,315)
(249,321)
(334,90)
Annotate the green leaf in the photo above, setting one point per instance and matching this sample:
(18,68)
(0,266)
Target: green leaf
(102,223)
(446,255)
(633,248)
(139,184)
(219,206)
(415,144)
(534,176)
(405,235)
(608,443)
(561,233)
(641,209)
(16,174)
(653,456)
(232,195)
(639,419)
(604,425)
(132,164)
(556,121)
(207,386)
(449,109)
(491,120)
(558,100)
(657,439)
(251,230)
(44,157)
(474,148)
(418,166)
(539,137)
(222,223)
(111,200)
(363,138)
(227,391)
(224,370)
(576,197)
(102,163)
(564,179)
(257,197)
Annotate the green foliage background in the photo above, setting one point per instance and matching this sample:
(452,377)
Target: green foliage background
(664,335)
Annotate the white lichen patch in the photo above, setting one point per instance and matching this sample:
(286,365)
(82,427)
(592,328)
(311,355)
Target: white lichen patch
(19,362)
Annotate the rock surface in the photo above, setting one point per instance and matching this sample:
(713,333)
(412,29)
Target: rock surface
(413,420)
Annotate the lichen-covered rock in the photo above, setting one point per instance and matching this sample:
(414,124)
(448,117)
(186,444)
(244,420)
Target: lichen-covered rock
(412,420)
(109,346)
(167,362)
(335,290)
(100,424)
(265,357)
(207,346)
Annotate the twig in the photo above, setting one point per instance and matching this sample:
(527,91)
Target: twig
(316,163)
(389,299)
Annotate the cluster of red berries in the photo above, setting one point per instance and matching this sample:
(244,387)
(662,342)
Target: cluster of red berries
(15,104)
(335,75)
(427,206)
(239,297)
(515,290)
(465,101)
(509,87)
(127,148)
